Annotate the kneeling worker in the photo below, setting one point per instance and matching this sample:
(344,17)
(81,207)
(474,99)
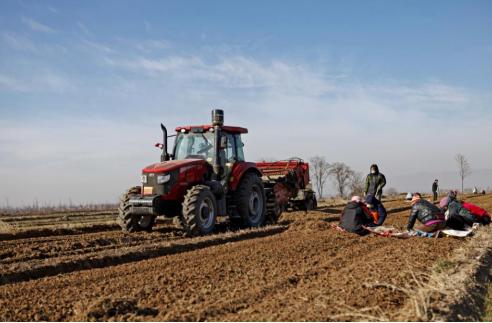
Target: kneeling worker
(458,215)
(430,216)
(376,208)
(356,215)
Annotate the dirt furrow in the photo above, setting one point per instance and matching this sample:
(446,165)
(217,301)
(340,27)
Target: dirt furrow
(100,257)
(41,214)
(51,221)
(74,229)
(37,217)
(44,249)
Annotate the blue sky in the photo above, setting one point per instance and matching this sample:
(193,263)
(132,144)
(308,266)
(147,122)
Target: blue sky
(84,85)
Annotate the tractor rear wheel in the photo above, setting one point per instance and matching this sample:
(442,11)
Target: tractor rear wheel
(251,201)
(130,222)
(199,211)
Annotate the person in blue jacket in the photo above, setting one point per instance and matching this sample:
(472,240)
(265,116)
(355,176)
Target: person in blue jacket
(374,204)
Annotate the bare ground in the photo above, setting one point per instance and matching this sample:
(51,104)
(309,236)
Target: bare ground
(300,269)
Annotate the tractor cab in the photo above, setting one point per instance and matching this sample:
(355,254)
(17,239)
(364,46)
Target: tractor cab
(198,142)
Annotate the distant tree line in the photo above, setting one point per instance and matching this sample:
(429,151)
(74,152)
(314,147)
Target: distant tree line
(348,182)
(53,208)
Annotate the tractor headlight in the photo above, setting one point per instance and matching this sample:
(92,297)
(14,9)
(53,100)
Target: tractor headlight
(144,179)
(161,179)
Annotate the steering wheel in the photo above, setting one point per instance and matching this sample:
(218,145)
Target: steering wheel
(205,149)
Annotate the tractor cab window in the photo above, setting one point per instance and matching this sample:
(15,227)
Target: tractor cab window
(194,145)
(239,148)
(228,151)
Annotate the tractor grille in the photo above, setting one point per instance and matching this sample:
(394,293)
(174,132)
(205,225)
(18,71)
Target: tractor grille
(161,189)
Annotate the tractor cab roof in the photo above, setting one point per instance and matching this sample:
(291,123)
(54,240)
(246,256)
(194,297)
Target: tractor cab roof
(204,128)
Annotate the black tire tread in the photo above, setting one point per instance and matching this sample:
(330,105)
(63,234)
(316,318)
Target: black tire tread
(188,218)
(127,221)
(242,197)
(273,209)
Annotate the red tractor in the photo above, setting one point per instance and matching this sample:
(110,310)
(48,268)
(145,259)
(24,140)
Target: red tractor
(206,176)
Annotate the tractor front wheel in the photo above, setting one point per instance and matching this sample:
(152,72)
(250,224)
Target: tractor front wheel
(130,222)
(199,211)
(250,201)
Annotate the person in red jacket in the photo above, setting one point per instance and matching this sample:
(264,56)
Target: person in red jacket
(481,215)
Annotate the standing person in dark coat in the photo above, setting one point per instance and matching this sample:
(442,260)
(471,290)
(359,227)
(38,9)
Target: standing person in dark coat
(355,215)
(375,182)
(435,189)
(430,216)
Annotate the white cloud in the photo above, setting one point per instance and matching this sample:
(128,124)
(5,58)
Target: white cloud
(40,81)
(11,84)
(434,92)
(147,25)
(151,45)
(83,28)
(37,26)
(99,47)
(17,42)
(20,42)
(245,73)
(230,72)
(54,10)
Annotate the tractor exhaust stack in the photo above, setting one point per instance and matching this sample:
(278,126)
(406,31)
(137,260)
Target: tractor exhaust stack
(217,122)
(164,155)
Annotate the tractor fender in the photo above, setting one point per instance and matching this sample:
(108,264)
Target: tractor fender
(239,170)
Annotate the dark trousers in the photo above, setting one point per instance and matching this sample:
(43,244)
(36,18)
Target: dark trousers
(379,195)
(381,214)
(456,222)
(435,195)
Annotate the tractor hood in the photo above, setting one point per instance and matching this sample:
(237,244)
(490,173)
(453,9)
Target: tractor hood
(171,165)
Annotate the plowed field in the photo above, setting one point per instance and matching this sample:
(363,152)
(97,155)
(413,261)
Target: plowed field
(299,269)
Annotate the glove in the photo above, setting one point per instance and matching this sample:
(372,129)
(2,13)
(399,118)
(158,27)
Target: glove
(411,232)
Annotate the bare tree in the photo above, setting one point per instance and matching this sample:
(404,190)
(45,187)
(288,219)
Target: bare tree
(342,174)
(319,173)
(356,184)
(391,191)
(464,169)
